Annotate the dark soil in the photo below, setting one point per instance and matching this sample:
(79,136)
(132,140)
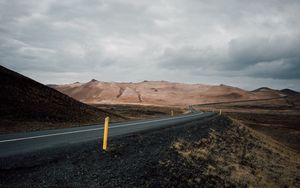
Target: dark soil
(281,127)
(212,153)
(139,111)
(277,118)
(27,104)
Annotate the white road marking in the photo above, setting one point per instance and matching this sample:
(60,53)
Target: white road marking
(94,129)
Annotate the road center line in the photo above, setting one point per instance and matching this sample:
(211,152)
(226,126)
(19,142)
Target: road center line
(94,129)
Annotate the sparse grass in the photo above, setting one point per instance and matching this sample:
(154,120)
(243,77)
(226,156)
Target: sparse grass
(244,157)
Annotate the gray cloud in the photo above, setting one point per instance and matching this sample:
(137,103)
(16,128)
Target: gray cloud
(275,57)
(203,41)
(278,69)
(252,50)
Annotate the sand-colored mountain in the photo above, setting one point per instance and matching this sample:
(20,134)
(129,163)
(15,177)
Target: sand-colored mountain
(159,93)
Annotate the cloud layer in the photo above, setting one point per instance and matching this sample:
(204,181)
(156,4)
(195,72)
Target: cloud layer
(212,42)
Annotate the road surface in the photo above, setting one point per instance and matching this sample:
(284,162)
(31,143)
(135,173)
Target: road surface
(21,143)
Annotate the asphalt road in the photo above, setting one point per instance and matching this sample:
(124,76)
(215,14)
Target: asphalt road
(21,143)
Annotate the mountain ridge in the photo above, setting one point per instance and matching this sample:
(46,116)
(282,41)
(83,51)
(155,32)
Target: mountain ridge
(160,93)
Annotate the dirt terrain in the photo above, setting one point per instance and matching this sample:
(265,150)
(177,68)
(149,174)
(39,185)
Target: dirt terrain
(27,105)
(215,153)
(277,118)
(160,93)
(141,111)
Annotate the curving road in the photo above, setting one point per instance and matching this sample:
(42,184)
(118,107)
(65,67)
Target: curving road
(20,143)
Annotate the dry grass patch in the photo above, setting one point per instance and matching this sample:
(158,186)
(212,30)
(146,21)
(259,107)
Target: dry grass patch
(243,157)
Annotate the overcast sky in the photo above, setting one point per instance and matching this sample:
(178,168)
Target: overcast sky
(248,44)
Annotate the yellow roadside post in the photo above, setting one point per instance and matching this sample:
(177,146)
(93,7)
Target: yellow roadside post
(105,135)
(220,111)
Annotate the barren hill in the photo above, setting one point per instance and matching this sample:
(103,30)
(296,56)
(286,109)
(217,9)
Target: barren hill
(29,105)
(289,92)
(159,93)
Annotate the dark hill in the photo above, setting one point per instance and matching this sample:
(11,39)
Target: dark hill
(29,105)
(289,92)
(263,89)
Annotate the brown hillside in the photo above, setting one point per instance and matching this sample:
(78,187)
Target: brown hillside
(29,105)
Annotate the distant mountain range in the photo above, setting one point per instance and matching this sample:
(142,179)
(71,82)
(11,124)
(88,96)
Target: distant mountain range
(162,93)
